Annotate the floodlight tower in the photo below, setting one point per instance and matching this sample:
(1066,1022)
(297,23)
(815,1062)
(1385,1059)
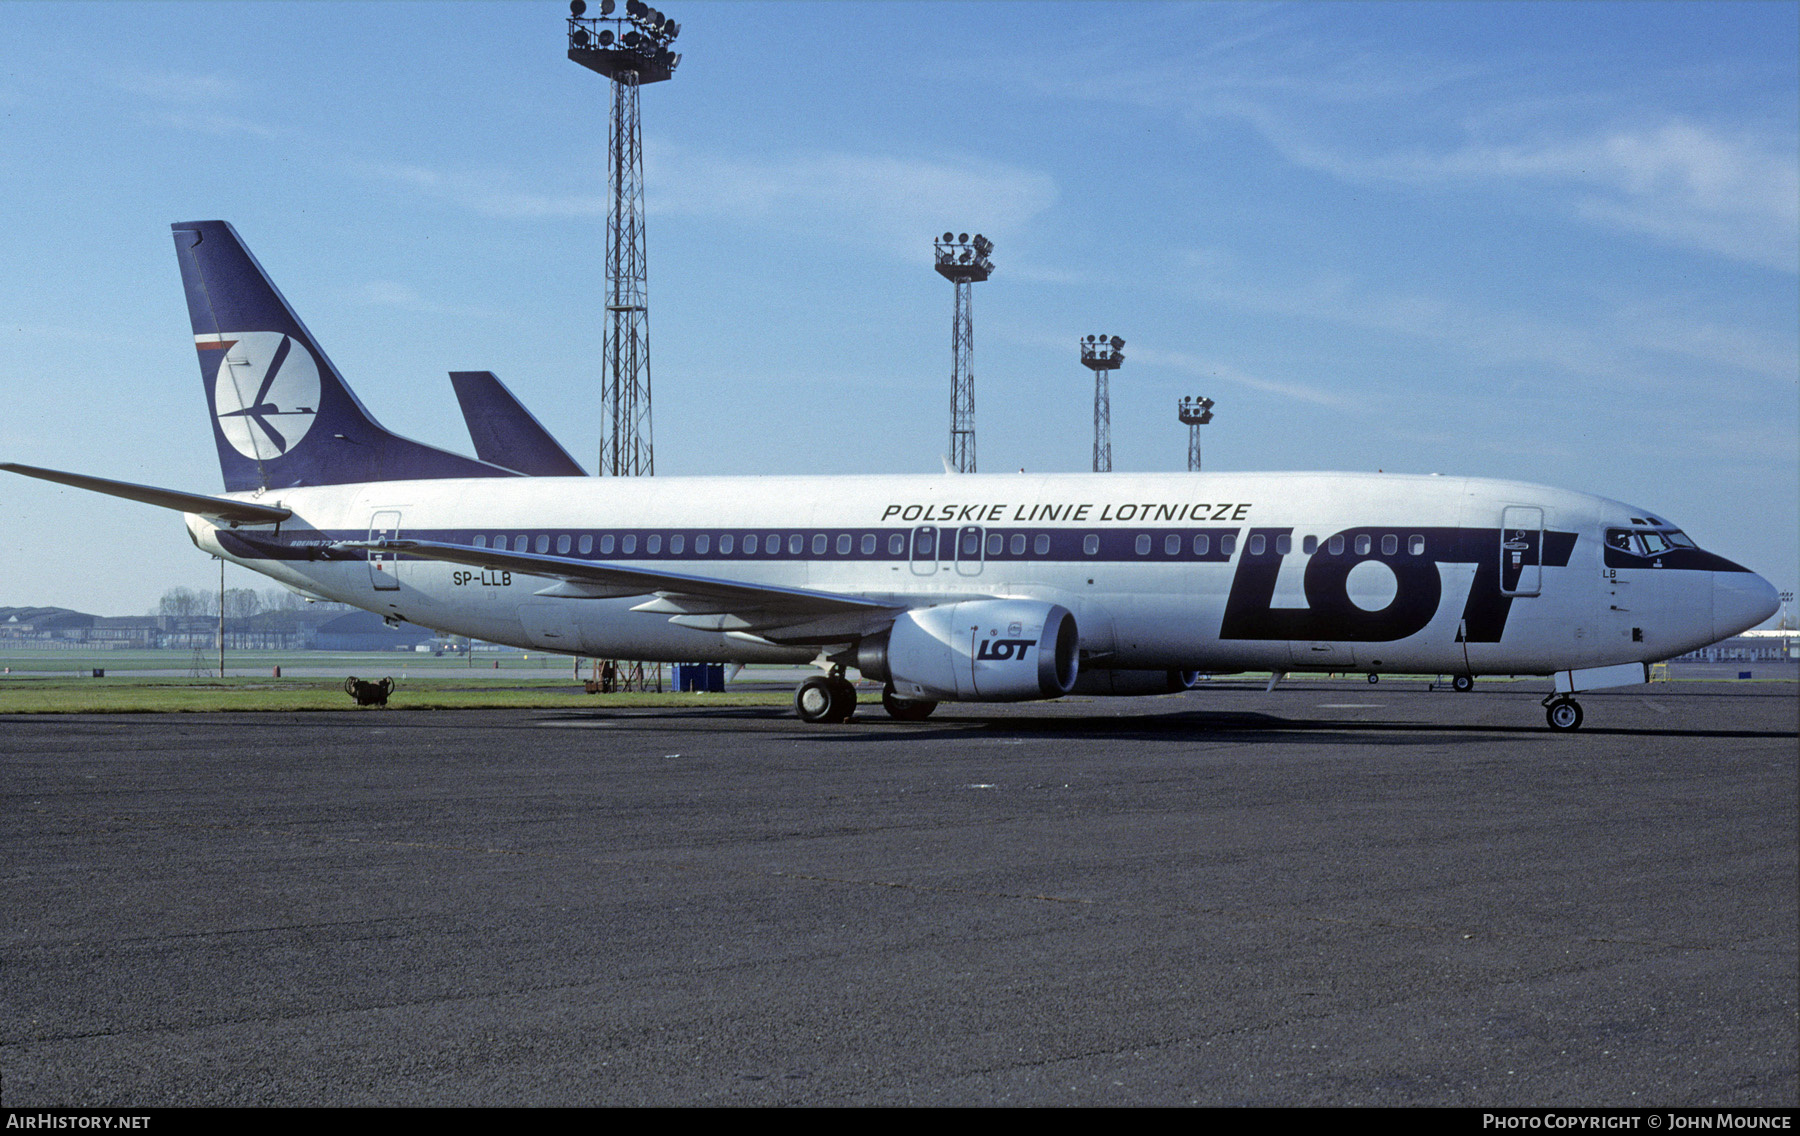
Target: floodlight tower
(1102,356)
(1196,412)
(631,50)
(963,262)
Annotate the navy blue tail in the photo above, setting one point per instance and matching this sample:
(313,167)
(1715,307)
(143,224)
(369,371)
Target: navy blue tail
(282,415)
(507,434)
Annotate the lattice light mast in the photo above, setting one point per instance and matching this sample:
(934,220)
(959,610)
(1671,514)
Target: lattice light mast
(963,262)
(1102,356)
(631,50)
(1196,412)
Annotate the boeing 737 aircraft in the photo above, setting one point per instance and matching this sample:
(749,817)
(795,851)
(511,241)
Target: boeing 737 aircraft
(968,587)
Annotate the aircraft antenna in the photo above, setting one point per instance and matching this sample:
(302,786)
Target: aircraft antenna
(963,262)
(1196,411)
(1102,356)
(631,49)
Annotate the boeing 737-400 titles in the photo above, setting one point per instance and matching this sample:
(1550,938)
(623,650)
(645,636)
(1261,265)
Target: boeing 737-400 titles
(954,587)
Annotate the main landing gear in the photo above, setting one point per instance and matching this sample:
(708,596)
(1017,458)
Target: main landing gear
(906,709)
(832,699)
(825,698)
(1563,713)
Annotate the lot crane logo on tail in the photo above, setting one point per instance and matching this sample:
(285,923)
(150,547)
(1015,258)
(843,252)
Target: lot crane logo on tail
(266,392)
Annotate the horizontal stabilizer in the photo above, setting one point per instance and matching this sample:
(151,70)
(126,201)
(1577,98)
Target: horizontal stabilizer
(219,508)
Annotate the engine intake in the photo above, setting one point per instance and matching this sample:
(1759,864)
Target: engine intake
(977,651)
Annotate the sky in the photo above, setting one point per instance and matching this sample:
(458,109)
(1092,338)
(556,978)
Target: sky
(1545,241)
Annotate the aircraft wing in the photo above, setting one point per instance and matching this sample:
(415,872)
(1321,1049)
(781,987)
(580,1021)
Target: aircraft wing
(219,508)
(778,613)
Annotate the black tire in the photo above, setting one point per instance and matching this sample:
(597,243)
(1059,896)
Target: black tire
(1564,715)
(814,700)
(904,709)
(1374,678)
(1462,684)
(843,702)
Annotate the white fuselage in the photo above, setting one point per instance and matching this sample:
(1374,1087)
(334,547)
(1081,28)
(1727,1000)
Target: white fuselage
(1214,571)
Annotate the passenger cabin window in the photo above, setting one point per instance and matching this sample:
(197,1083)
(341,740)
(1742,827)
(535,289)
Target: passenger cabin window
(795,544)
(1202,545)
(1228,543)
(562,545)
(1363,544)
(481,541)
(1090,544)
(726,540)
(1390,544)
(606,545)
(1284,544)
(1143,544)
(1335,545)
(1310,545)
(587,543)
(868,544)
(1415,545)
(1018,544)
(628,543)
(1256,545)
(1172,544)
(1041,544)
(702,544)
(843,544)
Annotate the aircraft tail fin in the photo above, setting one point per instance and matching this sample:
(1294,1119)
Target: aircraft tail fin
(282,414)
(505,433)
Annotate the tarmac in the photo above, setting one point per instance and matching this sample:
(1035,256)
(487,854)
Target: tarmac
(1333,894)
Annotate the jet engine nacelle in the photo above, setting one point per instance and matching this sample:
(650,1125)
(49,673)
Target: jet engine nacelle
(978,651)
(1134,683)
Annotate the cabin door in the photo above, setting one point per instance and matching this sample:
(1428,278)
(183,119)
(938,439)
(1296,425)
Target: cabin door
(384,567)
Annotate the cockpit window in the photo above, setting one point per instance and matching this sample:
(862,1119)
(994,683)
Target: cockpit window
(1647,542)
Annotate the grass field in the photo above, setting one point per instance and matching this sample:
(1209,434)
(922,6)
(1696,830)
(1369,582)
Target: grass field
(64,682)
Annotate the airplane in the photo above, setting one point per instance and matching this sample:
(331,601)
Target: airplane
(954,587)
(505,433)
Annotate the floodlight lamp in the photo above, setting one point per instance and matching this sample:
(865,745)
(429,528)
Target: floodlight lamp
(962,238)
(632,39)
(580,38)
(606,38)
(606,7)
(673,28)
(577,7)
(948,237)
(1117,343)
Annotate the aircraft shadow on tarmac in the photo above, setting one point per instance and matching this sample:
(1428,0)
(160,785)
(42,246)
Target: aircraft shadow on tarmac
(871,725)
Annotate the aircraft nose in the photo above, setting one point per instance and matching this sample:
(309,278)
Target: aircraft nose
(1741,600)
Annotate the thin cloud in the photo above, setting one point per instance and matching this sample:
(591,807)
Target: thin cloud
(869,198)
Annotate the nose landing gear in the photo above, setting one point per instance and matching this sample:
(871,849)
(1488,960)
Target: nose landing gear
(1563,713)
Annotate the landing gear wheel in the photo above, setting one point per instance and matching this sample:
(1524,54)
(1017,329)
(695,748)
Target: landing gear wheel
(906,710)
(1564,714)
(843,699)
(1374,678)
(1462,684)
(822,699)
